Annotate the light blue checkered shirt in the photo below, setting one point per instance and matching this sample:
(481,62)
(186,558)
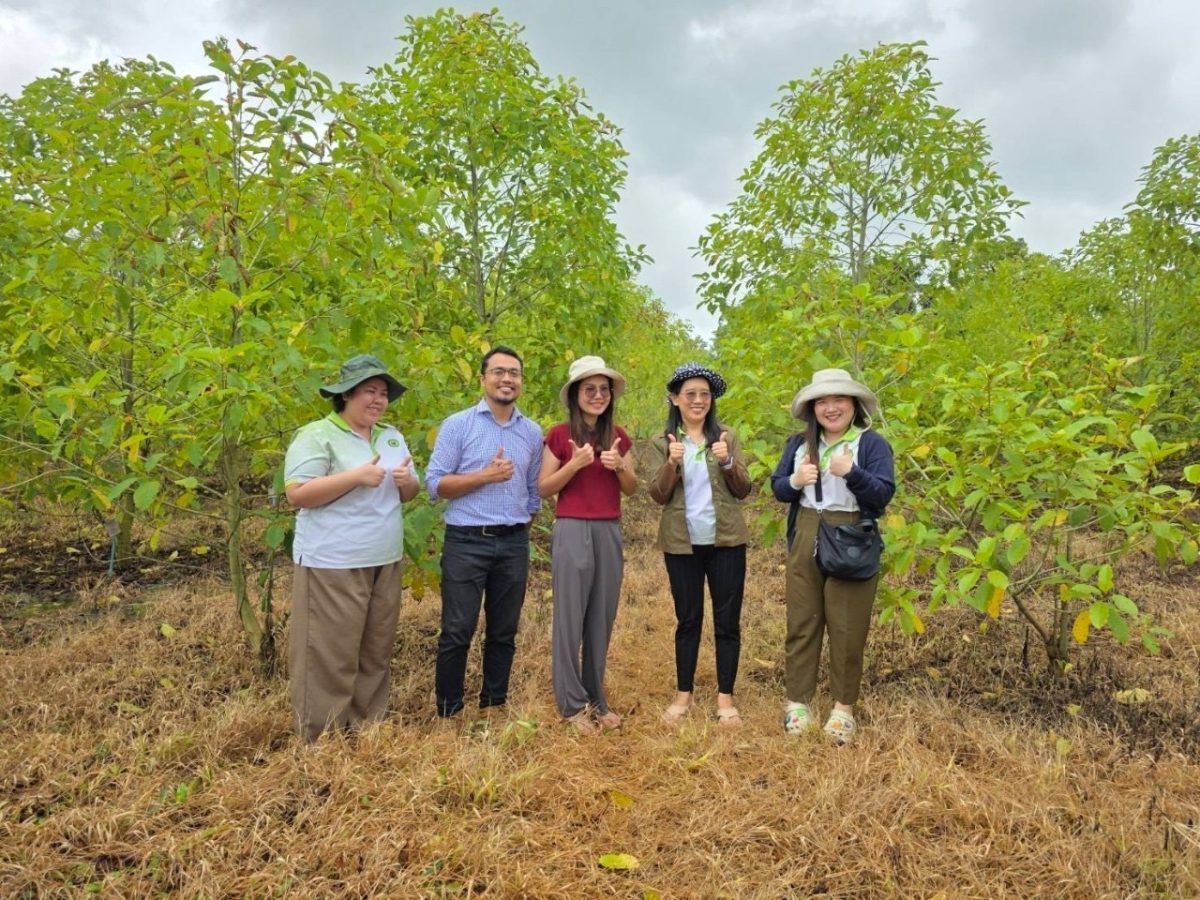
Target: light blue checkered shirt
(467,442)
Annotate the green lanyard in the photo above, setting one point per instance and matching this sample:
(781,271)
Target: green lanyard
(851,434)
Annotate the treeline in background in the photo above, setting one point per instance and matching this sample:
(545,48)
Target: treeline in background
(185,258)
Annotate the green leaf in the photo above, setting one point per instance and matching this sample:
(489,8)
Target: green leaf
(144,496)
(1017,550)
(1192,474)
(1144,441)
(1124,604)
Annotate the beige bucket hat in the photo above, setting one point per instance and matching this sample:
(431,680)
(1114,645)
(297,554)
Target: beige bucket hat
(586,367)
(830,382)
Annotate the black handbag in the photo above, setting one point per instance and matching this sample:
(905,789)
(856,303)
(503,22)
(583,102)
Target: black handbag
(849,552)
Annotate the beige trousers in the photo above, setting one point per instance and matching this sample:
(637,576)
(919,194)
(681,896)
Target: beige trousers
(343,627)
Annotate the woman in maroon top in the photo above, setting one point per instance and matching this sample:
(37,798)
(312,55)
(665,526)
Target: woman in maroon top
(586,462)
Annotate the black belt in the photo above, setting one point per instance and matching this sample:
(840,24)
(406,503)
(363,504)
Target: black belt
(488,530)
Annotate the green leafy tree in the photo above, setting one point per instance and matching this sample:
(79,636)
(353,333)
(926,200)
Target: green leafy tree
(1023,489)
(88,308)
(195,266)
(1150,260)
(526,178)
(862,172)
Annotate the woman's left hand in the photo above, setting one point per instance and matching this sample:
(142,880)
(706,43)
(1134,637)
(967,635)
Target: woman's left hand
(720,449)
(402,474)
(611,458)
(840,464)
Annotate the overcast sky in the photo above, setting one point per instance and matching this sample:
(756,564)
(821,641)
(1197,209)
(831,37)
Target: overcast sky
(1075,94)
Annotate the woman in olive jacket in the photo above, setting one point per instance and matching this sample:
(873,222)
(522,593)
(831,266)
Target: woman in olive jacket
(698,474)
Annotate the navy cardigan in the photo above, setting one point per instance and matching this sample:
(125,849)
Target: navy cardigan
(872,478)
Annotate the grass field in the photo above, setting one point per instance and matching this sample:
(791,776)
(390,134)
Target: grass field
(139,761)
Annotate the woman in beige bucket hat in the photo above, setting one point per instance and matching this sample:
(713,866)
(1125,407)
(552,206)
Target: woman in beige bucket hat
(840,471)
(586,462)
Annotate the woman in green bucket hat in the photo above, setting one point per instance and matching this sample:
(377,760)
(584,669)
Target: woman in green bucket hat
(348,474)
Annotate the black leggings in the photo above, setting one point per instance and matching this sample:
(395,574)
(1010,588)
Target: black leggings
(725,569)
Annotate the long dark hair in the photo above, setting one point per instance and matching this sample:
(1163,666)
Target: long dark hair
(581,432)
(711,428)
(812,430)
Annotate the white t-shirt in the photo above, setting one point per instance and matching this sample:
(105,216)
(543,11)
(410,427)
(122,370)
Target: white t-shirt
(697,494)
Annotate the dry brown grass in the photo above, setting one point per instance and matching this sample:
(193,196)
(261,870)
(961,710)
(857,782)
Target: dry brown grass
(140,765)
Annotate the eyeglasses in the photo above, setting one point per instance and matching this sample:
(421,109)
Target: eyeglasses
(514,374)
(697,395)
(596,390)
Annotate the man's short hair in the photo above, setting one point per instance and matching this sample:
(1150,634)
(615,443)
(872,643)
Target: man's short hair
(499,348)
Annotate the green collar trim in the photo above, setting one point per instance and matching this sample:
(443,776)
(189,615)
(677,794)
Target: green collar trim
(851,434)
(340,423)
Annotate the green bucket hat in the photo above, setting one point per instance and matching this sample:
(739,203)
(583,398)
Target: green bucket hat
(358,369)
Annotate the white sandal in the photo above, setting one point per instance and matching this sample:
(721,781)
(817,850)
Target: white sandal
(797,719)
(840,726)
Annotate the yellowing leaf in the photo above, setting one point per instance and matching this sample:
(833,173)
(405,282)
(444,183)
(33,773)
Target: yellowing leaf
(993,605)
(1132,696)
(200,550)
(918,624)
(167,631)
(1083,624)
(921,452)
(621,862)
(620,799)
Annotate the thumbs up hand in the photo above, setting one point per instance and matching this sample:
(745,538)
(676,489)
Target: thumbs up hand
(720,449)
(499,469)
(611,458)
(674,448)
(402,474)
(806,473)
(582,457)
(369,474)
(841,462)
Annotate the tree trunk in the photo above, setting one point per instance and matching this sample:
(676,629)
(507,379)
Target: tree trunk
(231,472)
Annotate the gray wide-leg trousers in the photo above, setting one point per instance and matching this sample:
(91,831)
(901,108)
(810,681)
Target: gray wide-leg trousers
(587,566)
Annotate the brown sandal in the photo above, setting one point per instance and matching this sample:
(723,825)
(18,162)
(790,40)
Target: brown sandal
(674,714)
(608,721)
(728,717)
(582,722)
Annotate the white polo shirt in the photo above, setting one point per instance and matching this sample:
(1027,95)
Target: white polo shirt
(363,527)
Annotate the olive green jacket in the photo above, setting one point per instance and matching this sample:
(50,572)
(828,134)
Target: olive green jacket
(728,487)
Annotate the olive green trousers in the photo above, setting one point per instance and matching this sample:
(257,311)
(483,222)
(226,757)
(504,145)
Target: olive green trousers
(816,605)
